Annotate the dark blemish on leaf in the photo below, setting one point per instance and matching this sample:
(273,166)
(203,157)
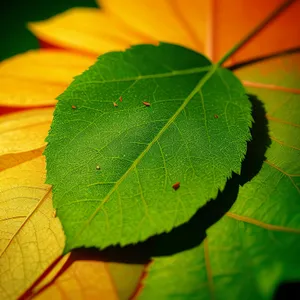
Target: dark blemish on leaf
(54,213)
(121,99)
(146,103)
(176,186)
(216,116)
(115,104)
(74,107)
(98,168)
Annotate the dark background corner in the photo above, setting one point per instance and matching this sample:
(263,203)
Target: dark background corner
(14,15)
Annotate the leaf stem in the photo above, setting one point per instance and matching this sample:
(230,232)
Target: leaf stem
(255,30)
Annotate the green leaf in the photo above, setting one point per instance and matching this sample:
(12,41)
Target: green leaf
(255,246)
(113,168)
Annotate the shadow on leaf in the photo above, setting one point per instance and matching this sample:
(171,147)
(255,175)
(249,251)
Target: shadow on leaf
(192,233)
(287,290)
(259,144)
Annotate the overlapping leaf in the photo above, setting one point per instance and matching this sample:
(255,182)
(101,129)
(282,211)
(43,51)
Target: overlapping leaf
(256,245)
(22,136)
(30,235)
(36,77)
(75,29)
(113,167)
(90,279)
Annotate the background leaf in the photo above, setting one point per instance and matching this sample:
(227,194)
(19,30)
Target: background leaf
(22,136)
(82,280)
(208,26)
(194,132)
(89,279)
(75,30)
(30,236)
(256,245)
(39,76)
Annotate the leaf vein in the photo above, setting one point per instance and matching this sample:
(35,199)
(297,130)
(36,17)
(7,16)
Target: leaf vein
(262,224)
(155,139)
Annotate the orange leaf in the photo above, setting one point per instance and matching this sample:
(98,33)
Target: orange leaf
(232,21)
(38,76)
(211,26)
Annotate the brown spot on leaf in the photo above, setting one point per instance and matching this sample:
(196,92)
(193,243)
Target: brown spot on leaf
(115,104)
(74,107)
(146,103)
(176,186)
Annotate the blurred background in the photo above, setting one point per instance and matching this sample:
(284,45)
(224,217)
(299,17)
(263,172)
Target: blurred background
(14,35)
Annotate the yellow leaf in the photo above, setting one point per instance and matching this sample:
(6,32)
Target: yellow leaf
(14,159)
(195,17)
(23,132)
(82,280)
(30,236)
(167,21)
(37,77)
(126,278)
(211,26)
(82,275)
(87,30)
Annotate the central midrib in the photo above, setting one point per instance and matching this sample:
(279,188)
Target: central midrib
(213,68)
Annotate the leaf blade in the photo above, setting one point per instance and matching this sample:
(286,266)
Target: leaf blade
(87,279)
(159,128)
(40,76)
(28,228)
